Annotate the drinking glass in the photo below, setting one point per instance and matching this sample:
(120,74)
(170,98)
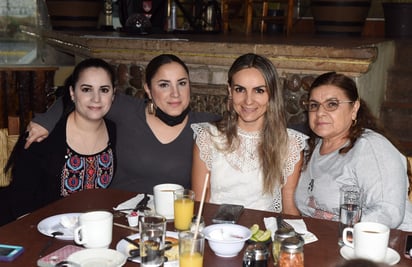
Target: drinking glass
(184,204)
(191,249)
(350,209)
(152,240)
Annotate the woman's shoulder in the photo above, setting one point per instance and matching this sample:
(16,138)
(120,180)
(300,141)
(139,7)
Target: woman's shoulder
(208,133)
(111,129)
(374,139)
(297,136)
(203,128)
(375,143)
(297,143)
(58,133)
(111,125)
(52,143)
(123,100)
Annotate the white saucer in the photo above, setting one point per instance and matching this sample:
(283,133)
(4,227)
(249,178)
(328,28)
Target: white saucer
(98,257)
(52,224)
(392,257)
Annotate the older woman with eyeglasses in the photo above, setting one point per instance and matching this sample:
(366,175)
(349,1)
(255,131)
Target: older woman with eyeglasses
(348,147)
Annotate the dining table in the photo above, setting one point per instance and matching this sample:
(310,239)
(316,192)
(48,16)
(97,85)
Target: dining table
(23,232)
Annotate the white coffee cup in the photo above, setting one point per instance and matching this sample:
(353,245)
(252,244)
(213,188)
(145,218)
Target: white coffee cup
(163,199)
(95,230)
(370,240)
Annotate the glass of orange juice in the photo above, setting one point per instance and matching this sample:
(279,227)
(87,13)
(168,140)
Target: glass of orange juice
(184,204)
(191,249)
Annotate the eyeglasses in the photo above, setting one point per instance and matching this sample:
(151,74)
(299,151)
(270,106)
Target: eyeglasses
(328,105)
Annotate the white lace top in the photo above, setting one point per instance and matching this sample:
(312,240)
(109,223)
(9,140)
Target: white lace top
(236,177)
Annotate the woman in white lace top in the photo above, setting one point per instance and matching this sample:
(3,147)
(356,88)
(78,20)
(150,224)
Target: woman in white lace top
(252,158)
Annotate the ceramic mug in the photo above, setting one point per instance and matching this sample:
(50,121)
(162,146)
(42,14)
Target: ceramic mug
(370,240)
(163,199)
(95,230)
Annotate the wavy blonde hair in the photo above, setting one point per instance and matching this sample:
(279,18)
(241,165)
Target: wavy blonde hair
(273,150)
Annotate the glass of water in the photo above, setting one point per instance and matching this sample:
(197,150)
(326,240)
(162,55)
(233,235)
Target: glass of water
(152,240)
(350,209)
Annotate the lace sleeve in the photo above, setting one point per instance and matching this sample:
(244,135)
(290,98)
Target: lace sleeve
(204,142)
(297,142)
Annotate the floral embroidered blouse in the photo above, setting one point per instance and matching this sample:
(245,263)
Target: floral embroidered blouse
(82,172)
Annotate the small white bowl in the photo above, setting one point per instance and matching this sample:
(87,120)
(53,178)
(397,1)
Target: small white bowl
(226,240)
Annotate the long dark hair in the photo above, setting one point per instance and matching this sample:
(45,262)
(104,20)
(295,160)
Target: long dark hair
(68,105)
(364,120)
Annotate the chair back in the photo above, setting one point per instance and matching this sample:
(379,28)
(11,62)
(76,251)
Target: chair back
(8,139)
(282,17)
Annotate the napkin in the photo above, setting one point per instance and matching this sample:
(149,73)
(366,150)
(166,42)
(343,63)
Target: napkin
(298,224)
(129,204)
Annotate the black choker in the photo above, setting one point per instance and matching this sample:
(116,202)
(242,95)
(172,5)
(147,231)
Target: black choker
(171,120)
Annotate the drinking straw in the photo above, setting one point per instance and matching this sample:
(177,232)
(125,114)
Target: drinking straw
(126,227)
(199,213)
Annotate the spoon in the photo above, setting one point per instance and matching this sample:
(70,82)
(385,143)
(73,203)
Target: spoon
(49,242)
(67,264)
(228,235)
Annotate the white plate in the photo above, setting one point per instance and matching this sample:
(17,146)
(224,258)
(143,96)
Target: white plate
(123,246)
(392,257)
(96,257)
(52,224)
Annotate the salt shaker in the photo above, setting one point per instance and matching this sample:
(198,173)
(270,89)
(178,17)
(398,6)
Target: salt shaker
(280,235)
(256,255)
(291,252)
(193,224)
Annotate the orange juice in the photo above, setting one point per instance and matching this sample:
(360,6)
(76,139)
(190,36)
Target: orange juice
(188,259)
(184,208)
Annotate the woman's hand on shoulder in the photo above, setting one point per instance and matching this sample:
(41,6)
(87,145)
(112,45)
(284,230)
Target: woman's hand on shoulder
(36,133)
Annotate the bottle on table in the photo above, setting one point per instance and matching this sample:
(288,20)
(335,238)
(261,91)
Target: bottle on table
(291,252)
(280,235)
(256,255)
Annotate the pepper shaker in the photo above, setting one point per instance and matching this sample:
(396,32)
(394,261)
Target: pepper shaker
(256,255)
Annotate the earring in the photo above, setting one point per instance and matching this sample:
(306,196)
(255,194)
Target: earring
(151,107)
(354,122)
